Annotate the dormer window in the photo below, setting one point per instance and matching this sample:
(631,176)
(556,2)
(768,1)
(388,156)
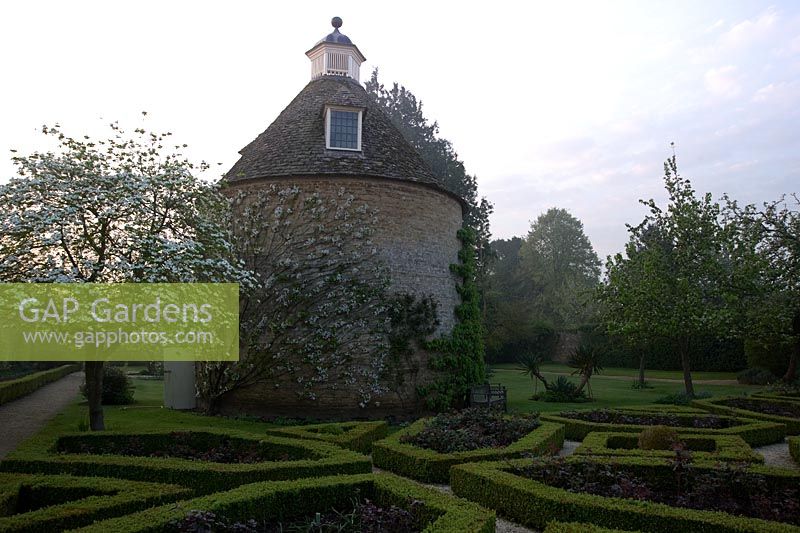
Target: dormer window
(343,128)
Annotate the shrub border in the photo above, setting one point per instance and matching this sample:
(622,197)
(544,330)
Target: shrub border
(202,476)
(17,388)
(357,436)
(792,424)
(729,447)
(534,504)
(123,497)
(754,432)
(433,467)
(442,513)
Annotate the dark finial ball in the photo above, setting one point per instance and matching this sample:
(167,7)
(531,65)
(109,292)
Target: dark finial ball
(336,22)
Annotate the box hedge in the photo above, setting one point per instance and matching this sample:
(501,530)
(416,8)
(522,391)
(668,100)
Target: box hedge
(16,388)
(34,502)
(433,467)
(754,432)
(306,458)
(703,447)
(356,436)
(794,449)
(576,527)
(792,425)
(271,500)
(785,396)
(534,504)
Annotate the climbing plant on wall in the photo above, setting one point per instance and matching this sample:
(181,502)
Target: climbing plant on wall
(459,356)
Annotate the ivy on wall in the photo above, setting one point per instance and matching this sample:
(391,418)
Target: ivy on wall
(459,356)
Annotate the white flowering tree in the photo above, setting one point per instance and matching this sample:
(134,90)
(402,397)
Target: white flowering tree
(318,316)
(123,209)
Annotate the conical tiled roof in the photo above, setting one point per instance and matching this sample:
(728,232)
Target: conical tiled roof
(294,145)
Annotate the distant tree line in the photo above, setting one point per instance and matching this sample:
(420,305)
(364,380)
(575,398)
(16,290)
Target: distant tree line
(701,285)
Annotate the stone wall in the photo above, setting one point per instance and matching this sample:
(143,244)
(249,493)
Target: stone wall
(416,239)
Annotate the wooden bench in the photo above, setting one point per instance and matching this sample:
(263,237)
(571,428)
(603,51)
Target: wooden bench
(486,395)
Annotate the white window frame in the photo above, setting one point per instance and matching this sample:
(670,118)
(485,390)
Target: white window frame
(328,110)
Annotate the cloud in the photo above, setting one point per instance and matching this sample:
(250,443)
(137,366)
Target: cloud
(723,81)
(717,25)
(750,31)
(779,94)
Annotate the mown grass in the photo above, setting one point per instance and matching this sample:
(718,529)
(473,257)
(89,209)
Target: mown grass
(560,368)
(146,414)
(609,391)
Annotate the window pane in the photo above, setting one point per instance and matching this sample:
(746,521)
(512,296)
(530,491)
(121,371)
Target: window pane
(344,129)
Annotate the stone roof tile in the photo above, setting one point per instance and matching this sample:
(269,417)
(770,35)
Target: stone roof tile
(294,144)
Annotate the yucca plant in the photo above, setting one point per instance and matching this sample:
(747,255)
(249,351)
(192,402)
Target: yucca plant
(586,362)
(530,364)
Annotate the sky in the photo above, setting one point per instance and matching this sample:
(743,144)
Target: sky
(557,104)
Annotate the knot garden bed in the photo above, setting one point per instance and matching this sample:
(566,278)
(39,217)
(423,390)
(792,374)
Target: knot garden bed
(356,436)
(430,466)
(162,457)
(702,447)
(578,424)
(529,493)
(270,501)
(34,502)
(786,412)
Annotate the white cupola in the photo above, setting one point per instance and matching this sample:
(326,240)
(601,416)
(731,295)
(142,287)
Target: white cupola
(335,55)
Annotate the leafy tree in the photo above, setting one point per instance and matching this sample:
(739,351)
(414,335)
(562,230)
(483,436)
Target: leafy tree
(512,329)
(318,315)
(671,285)
(765,259)
(405,111)
(124,209)
(561,266)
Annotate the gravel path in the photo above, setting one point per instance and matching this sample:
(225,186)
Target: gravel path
(569,448)
(777,455)
(25,416)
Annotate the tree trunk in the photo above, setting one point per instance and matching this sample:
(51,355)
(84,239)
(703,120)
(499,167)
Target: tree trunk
(584,381)
(791,372)
(540,377)
(94,394)
(687,371)
(641,370)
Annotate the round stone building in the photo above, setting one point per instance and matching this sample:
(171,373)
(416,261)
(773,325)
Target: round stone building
(331,137)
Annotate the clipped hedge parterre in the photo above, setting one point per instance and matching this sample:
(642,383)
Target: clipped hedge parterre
(716,405)
(272,500)
(53,503)
(433,467)
(305,459)
(356,436)
(535,504)
(754,432)
(702,447)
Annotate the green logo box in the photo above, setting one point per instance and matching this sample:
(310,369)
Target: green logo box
(119,322)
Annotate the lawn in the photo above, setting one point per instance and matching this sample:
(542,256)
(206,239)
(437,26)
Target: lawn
(609,390)
(560,368)
(146,414)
